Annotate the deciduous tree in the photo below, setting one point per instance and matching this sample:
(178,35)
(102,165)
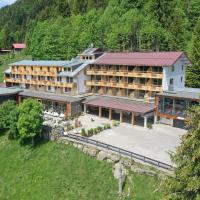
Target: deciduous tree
(30,120)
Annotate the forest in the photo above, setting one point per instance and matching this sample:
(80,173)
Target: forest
(59,29)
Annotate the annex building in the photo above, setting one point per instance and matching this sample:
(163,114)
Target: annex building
(132,87)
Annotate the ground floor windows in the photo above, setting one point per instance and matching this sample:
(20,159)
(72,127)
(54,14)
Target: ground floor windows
(174,106)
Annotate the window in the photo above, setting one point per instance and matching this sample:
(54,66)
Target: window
(181,79)
(157,82)
(171,82)
(40,68)
(49,87)
(182,67)
(31,68)
(172,68)
(48,69)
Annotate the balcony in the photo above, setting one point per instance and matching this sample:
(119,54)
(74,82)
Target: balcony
(125,73)
(125,85)
(34,73)
(40,82)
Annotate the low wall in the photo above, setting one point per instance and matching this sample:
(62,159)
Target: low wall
(110,157)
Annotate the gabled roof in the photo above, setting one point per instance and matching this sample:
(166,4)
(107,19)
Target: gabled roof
(19,45)
(142,58)
(76,71)
(90,51)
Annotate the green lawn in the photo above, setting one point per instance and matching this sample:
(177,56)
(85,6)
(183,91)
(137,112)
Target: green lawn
(5,60)
(57,171)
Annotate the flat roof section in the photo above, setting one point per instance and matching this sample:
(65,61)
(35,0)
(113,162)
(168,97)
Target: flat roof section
(48,63)
(49,96)
(9,91)
(188,93)
(142,58)
(120,104)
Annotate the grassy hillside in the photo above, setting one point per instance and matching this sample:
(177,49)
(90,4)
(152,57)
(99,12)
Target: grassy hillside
(56,171)
(5,60)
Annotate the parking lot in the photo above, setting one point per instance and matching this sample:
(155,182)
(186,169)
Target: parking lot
(155,143)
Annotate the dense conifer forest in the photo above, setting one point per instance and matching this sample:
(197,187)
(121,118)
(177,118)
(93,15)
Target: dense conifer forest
(59,29)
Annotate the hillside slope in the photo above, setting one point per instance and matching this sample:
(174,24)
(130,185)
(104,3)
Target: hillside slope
(58,171)
(59,29)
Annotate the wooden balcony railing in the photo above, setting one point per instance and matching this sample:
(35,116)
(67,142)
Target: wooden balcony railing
(125,85)
(126,73)
(34,73)
(40,82)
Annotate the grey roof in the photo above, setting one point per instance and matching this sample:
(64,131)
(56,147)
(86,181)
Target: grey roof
(90,51)
(48,63)
(76,71)
(9,91)
(8,71)
(49,96)
(187,93)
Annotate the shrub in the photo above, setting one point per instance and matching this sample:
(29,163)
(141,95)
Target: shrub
(99,129)
(90,132)
(95,131)
(149,125)
(83,132)
(115,123)
(6,111)
(107,126)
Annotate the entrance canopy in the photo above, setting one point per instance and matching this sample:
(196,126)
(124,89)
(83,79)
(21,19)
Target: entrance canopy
(120,104)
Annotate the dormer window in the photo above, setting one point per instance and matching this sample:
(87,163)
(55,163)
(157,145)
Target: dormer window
(172,68)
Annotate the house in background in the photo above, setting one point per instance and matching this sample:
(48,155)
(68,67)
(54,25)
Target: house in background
(5,51)
(18,47)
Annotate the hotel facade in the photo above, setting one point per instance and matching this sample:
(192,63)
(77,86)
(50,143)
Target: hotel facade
(128,87)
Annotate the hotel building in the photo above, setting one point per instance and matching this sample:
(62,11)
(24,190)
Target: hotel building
(120,86)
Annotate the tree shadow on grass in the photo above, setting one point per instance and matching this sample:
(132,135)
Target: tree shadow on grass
(2,132)
(33,143)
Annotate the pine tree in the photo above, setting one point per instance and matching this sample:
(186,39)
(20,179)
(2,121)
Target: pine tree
(186,183)
(193,73)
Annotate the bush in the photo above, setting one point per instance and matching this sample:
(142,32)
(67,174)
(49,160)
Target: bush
(83,132)
(107,126)
(7,109)
(99,129)
(90,132)
(115,123)
(95,131)
(149,126)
